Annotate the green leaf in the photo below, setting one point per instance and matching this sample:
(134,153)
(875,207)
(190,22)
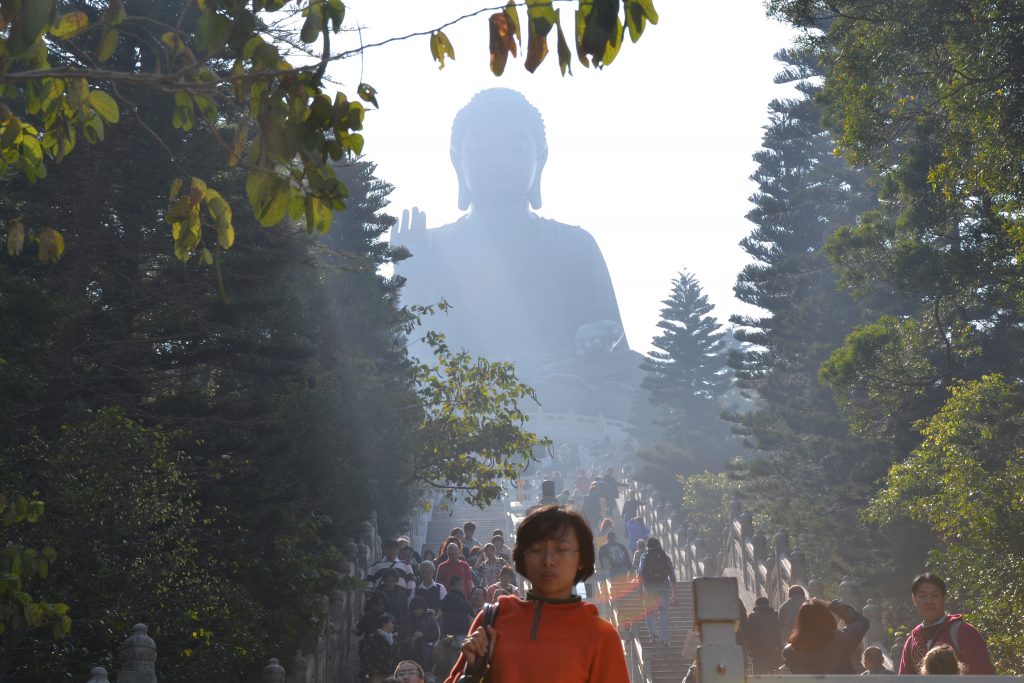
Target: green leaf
(107,45)
(104,105)
(28,26)
(318,215)
(564,53)
(368,94)
(441,47)
(69,25)
(269,195)
(51,245)
(15,237)
(541,19)
(512,14)
(238,146)
(313,24)
(114,14)
(212,31)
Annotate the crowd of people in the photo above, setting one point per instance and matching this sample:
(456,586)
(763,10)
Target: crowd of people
(811,636)
(423,618)
(417,602)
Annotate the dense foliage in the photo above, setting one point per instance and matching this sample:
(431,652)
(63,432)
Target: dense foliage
(249,76)
(204,440)
(676,412)
(887,255)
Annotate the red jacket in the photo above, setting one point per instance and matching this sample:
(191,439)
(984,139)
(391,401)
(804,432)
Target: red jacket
(546,641)
(447,569)
(970,647)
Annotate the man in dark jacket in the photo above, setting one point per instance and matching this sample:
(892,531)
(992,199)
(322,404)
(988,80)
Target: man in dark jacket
(764,639)
(937,627)
(788,610)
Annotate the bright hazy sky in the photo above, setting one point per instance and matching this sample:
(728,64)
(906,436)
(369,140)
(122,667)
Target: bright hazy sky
(651,155)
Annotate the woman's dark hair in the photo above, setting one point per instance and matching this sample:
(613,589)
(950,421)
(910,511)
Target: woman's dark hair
(388,573)
(927,577)
(941,659)
(443,552)
(814,626)
(506,570)
(606,523)
(417,601)
(429,555)
(552,522)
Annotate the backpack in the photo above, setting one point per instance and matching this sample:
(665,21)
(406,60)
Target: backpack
(656,567)
(618,556)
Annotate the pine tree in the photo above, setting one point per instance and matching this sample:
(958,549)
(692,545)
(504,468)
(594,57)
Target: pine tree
(685,382)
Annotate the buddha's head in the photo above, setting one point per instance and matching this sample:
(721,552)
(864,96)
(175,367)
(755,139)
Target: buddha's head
(498,149)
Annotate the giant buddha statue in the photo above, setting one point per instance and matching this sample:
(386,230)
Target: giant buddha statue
(520,287)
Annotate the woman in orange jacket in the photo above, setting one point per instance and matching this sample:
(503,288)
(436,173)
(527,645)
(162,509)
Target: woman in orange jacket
(551,635)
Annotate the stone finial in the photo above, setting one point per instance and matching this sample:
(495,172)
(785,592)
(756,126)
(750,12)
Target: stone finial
(876,630)
(138,657)
(98,675)
(760,543)
(781,542)
(273,672)
(747,525)
(848,591)
(797,566)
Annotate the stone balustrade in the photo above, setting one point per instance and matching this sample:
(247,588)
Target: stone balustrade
(762,567)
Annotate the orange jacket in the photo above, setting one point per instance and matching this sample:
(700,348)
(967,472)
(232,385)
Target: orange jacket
(544,641)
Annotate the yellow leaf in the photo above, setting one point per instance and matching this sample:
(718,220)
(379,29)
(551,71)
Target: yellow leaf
(108,43)
(15,237)
(207,257)
(105,106)
(241,137)
(69,25)
(51,245)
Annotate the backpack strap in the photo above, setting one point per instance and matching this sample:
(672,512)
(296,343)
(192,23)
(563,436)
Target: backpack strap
(482,666)
(953,629)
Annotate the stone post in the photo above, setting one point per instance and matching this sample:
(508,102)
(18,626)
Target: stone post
(876,630)
(716,616)
(273,672)
(138,657)
(98,675)
(747,525)
(848,591)
(781,543)
(760,542)
(798,567)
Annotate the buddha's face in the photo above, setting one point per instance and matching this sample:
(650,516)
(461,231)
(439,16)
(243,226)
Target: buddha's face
(498,164)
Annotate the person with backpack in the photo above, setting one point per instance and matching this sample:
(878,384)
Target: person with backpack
(657,579)
(928,592)
(613,557)
(764,638)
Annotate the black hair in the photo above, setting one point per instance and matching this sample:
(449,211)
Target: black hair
(551,522)
(796,590)
(928,577)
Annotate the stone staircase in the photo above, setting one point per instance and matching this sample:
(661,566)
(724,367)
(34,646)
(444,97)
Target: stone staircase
(487,520)
(660,663)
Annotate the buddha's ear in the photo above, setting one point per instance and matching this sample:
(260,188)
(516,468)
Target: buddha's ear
(465,196)
(534,193)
